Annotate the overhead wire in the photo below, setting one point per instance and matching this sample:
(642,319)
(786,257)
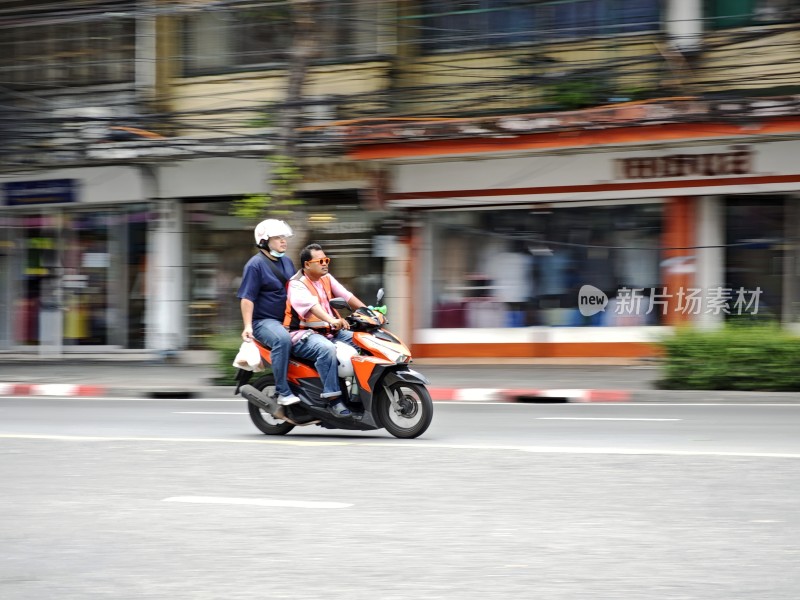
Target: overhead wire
(432,83)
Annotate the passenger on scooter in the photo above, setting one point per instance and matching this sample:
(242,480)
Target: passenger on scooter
(308,308)
(263,297)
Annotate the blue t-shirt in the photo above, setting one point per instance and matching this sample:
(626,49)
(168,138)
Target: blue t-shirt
(261,286)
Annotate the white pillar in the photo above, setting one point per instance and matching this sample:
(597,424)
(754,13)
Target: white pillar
(145,52)
(710,262)
(166,331)
(684,23)
(398,290)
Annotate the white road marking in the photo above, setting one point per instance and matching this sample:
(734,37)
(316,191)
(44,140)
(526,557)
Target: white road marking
(599,419)
(257,502)
(197,412)
(124,399)
(656,403)
(409,444)
(93,438)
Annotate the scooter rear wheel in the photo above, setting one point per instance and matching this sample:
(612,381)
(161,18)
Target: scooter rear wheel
(411,412)
(265,422)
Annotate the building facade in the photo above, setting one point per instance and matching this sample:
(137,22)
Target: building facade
(452,153)
(516,237)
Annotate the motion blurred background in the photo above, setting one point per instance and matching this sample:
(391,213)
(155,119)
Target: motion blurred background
(482,160)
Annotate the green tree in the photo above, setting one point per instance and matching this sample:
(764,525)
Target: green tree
(284,163)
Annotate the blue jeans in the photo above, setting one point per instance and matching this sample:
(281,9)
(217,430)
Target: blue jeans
(322,351)
(272,333)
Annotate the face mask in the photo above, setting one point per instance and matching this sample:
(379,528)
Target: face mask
(277,254)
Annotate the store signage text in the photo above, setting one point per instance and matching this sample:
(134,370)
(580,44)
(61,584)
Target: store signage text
(739,161)
(335,172)
(50,191)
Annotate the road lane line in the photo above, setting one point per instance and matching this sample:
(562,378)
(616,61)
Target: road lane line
(256,502)
(124,438)
(411,444)
(599,419)
(197,412)
(621,406)
(118,399)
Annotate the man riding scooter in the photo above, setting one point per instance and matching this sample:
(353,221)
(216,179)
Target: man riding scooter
(308,309)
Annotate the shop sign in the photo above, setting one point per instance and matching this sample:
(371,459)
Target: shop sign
(334,172)
(50,191)
(739,161)
(345,227)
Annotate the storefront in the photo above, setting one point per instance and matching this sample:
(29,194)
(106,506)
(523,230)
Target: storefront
(81,271)
(219,245)
(507,245)
(95,259)
(73,253)
(150,257)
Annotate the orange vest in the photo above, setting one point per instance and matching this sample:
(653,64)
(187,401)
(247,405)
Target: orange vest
(292,320)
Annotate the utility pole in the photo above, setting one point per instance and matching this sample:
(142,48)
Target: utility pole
(301,52)
(284,162)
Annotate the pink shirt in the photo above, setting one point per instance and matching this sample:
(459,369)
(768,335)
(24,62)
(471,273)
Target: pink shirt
(302,300)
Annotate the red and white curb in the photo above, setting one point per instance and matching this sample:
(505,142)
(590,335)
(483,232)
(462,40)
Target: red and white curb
(50,389)
(528,395)
(438,394)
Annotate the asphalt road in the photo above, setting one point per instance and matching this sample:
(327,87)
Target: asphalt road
(185,499)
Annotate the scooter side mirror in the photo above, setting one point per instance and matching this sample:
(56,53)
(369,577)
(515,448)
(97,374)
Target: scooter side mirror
(339,303)
(380,296)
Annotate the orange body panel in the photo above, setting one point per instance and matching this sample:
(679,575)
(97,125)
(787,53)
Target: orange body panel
(363,367)
(365,340)
(297,370)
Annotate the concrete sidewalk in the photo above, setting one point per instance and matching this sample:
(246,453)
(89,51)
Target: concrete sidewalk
(498,380)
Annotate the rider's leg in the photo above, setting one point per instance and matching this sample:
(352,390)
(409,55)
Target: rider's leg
(272,333)
(322,351)
(346,336)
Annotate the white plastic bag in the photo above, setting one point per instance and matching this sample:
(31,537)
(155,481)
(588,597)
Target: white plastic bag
(248,358)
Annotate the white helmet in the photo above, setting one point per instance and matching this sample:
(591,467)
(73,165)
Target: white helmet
(271,228)
(344,356)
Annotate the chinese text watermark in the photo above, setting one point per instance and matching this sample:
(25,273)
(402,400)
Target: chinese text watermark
(687,301)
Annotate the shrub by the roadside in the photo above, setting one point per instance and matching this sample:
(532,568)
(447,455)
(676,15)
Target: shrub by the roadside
(760,357)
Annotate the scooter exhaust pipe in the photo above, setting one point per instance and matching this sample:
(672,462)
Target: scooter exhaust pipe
(260,399)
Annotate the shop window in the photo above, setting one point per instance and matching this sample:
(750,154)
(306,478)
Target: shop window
(754,256)
(220,40)
(77,277)
(515,268)
(463,24)
(741,13)
(71,47)
(220,245)
(6,248)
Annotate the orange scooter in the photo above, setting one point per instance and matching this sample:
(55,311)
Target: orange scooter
(378,386)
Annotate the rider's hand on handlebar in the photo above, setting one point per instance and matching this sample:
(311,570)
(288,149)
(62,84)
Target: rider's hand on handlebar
(339,324)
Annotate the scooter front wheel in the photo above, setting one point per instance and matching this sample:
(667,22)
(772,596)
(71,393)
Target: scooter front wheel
(265,422)
(405,409)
